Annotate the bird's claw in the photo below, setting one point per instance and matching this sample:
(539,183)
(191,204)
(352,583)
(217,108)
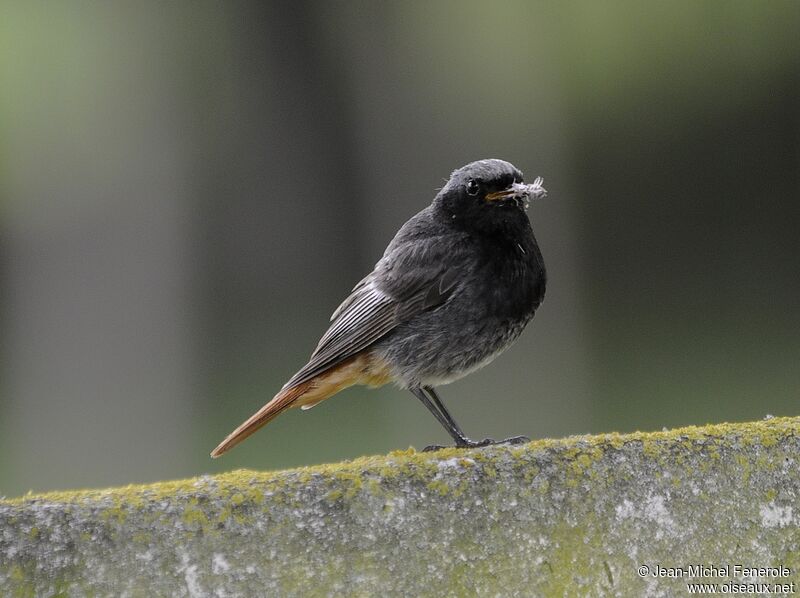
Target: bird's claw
(469,444)
(514,440)
(493,442)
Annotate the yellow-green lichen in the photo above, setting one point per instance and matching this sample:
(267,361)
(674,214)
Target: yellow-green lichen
(334,495)
(439,486)
(421,466)
(571,516)
(193,516)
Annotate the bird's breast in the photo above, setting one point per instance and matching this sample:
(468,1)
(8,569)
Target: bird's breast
(510,279)
(495,298)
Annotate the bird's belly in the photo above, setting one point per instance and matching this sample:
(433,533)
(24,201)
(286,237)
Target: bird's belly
(428,352)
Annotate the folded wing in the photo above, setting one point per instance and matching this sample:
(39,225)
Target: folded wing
(409,281)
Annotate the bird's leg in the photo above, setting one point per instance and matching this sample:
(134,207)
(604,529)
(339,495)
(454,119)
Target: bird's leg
(445,420)
(431,400)
(442,409)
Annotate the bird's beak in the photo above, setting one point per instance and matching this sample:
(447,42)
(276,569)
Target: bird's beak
(520,192)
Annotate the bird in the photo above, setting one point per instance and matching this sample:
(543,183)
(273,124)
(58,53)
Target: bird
(454,288)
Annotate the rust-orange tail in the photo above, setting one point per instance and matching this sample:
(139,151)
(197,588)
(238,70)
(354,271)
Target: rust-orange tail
(282,401)
(360,369)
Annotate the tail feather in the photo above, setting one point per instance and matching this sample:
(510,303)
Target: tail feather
(360,369)
(283,400)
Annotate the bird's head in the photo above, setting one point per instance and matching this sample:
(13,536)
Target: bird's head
(487,193)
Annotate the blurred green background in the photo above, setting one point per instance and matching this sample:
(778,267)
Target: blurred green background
(189,189)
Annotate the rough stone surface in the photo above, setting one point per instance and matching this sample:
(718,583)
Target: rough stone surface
(553,518)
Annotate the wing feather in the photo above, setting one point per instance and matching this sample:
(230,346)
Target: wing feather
(369,316)
(379,303)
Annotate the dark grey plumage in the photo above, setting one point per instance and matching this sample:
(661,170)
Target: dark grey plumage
(499,278)
(454,288)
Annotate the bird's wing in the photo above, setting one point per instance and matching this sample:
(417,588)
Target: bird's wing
(411,280)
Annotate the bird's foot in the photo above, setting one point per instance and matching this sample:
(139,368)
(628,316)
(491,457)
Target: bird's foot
(514,440)
(468,444)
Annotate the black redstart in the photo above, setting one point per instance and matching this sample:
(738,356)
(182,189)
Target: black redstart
(455,288)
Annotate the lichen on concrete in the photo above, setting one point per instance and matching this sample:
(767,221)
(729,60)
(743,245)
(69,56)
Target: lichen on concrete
(576,516)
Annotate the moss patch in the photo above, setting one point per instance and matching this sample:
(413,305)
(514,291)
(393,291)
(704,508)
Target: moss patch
(580,451)
(552,517)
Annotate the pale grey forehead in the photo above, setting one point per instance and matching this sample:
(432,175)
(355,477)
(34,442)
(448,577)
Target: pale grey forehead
(485,169)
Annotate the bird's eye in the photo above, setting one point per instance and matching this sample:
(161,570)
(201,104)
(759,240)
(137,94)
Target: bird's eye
(473,187)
